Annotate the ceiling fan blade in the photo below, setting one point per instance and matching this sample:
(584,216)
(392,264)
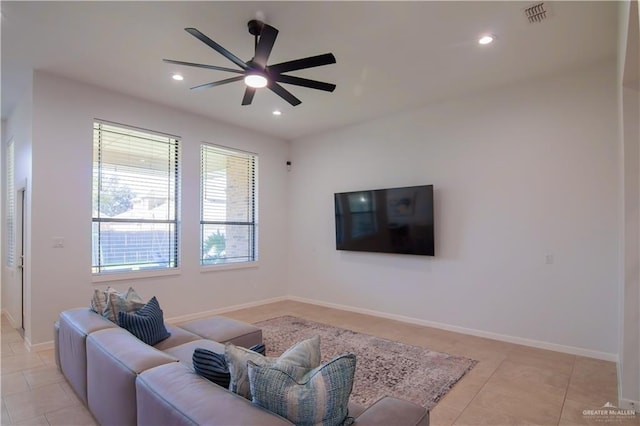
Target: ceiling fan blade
(300,64)
(284,93)
(215,46)
(210,67)
(304,82)
(217,83)
(248,96)
(265,44)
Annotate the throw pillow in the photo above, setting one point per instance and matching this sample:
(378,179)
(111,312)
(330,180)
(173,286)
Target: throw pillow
(213,366)
(319,397)
(304,354)
(147,323)
(125,302)
(260,348)
(99,299)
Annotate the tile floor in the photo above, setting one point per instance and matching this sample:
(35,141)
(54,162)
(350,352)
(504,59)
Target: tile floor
(511,385)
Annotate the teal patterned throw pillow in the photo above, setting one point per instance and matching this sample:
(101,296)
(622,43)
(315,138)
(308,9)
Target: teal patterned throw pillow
(305,354)
(317,397)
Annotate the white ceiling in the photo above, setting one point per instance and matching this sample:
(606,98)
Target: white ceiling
(391,56)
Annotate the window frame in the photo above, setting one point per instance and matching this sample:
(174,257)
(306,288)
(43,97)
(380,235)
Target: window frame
(10,221)
(99,274)
(253,256)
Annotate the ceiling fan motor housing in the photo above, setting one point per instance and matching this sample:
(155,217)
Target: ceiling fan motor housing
(255,27)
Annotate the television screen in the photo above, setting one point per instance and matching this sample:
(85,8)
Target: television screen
(394,220)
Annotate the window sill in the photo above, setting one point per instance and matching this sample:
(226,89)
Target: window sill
(119,276)
(228,267)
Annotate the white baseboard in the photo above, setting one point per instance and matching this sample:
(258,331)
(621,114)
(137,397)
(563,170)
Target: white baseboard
(473,332)
(219,311)
(174,320)
(44,346)
(12,321)
(27,343)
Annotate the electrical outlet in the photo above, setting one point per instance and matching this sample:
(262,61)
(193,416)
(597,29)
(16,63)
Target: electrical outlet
(548,259)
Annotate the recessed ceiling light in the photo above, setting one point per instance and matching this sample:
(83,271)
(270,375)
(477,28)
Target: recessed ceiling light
(277,112)
(486,39)
(177,77)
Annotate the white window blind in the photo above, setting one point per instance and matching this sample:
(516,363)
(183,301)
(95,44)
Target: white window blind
(135,199)
(11,205)
(228,206)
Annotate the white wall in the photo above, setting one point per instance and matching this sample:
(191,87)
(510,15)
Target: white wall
(63,114)
(629,107)
(519,173)
(19,129)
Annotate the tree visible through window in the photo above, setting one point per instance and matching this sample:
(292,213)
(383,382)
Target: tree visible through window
(228,206)
(135,196)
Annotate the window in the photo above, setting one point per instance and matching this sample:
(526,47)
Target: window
(227,206)
(135,200)
(11,205)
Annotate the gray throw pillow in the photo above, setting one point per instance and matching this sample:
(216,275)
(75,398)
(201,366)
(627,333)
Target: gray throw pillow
(319,397)
(304,354)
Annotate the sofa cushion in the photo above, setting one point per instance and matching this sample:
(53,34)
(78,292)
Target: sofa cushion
(171,394)
(185,351)
(304,354)
(75,326)
(225,330)
(147,323)
(316,397)
(178,337)
(114,359)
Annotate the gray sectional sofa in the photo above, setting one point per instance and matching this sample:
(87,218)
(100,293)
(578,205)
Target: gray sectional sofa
(124,381)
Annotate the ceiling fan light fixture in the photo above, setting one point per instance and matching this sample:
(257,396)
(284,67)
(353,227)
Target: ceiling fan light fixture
(255,80)
(486,39)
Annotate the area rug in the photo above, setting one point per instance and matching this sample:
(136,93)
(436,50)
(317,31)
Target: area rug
(383,367)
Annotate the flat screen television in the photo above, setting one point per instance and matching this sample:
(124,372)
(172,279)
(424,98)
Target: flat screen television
(394,220)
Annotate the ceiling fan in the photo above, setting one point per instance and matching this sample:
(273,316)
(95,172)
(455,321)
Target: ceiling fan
(255,72)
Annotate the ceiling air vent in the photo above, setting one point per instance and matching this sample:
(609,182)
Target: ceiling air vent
(537,12)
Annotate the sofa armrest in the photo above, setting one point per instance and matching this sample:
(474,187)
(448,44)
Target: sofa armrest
(75,326)
(393,411)
(115,357)
(171,394)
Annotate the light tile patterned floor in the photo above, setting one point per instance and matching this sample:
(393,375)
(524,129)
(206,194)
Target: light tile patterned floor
(511,385)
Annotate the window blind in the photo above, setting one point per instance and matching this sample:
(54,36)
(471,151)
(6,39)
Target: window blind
(228,206)
(135,199)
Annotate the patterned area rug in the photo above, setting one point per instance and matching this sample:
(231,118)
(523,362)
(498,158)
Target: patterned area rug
(383,367)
